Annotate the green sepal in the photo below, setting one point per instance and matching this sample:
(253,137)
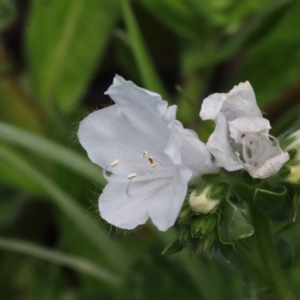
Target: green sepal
(274,204)
(174,248)
(232,224)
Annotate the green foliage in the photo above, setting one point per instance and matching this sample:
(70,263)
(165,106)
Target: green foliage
(7,13)
(275,204)
(174,248)
(232,224)
(143,60)
(270,53)
(53,242)
(57,38)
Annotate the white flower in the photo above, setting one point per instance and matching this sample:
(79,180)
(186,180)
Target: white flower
(241,138)
(150,156)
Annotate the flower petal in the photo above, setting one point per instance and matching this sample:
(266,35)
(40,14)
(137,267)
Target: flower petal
(166,204)
(120,210)
(160,199)
(270,167)
(211,106)
(192,149)
(219,145)
(124,93)
(248,124)
(243,98)
(108,134)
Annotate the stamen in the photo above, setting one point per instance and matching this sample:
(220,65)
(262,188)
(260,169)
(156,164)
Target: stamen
(243,135)
(155,166)
(114,163)
(245,153)
(236,153)
(145,153)
(132,175)
(151,159)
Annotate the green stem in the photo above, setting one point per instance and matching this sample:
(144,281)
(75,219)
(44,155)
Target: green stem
(269,259)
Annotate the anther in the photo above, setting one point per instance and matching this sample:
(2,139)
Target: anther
(236,153)
(251,142)
(145,154)
(155,166)
(243,135)
(151,160)
(114,163)
(132,175)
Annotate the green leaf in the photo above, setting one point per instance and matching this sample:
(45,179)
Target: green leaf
(7,13)
(177,15)
(116,256)
(143,60)
(232,224)
(274,204)
(271,52)
(56,257)
(255,31)
(65,40)
(38,144)
(13,178)
(174,248)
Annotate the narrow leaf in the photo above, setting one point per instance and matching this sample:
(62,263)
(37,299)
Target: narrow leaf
(56,257)
(64,42)
(52,150)
(86,225)
(174,248)
(146,68)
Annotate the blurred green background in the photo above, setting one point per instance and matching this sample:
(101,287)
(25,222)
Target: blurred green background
(57,58)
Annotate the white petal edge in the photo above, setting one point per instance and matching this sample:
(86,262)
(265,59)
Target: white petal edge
(242,97)
(270,167)
(249,125)
(219,146)
(211,106)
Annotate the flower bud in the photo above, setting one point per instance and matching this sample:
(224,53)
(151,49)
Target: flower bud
(200,201)
(294,175)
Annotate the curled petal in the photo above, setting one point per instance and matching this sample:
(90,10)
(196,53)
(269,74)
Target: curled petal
(248,124)
(241,138)
(211,106)
(270,167)
(125,93)
(243,98)
(220,147)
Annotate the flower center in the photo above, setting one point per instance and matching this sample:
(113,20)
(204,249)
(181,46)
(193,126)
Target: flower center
(150,170)
(255,148)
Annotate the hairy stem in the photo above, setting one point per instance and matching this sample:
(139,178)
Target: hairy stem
(269,259)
